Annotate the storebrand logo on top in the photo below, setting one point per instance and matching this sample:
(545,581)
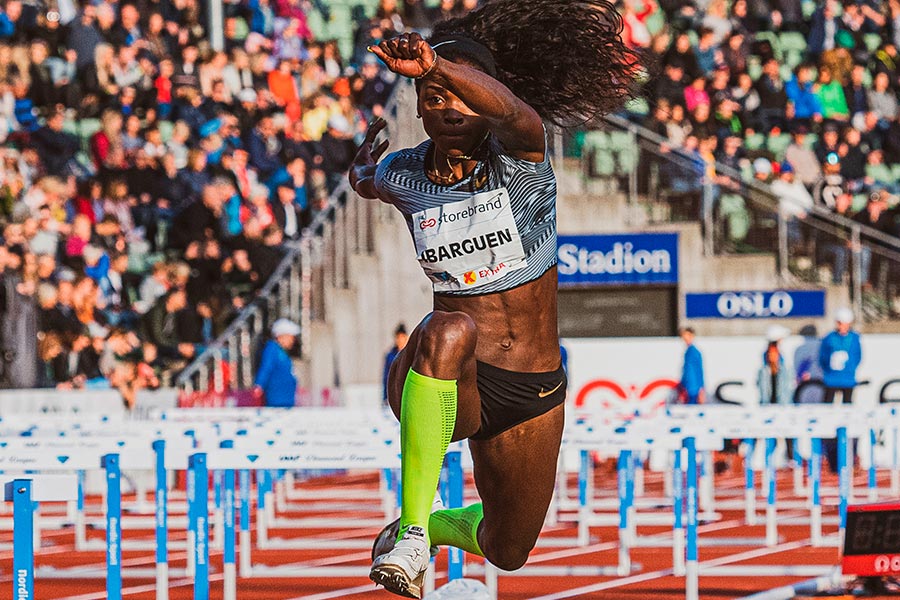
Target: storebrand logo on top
(491,204)
(621,259)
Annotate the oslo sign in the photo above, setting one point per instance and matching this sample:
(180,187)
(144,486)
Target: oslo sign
(780,304)
(627,259)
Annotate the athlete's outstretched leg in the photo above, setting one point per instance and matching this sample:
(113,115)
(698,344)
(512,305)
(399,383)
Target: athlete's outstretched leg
(437,403)
(515,473)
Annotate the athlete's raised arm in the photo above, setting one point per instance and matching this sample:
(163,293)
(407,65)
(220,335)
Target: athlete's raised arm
(516,124)
(362,171)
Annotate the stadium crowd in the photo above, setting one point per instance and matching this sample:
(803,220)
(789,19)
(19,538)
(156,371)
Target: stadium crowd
(799,94)
(149,183)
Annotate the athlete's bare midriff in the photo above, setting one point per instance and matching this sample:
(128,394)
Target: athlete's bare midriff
(517,329)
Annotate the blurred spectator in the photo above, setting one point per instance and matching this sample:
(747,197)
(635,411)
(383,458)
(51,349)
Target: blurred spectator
(806,364)
(275,379)
(401,337)
(794,201)
(776,379)
(691,385)
(839,357)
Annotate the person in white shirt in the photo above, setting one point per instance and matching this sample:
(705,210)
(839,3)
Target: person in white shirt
(794,201)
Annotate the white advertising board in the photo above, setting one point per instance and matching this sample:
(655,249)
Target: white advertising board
(637,374)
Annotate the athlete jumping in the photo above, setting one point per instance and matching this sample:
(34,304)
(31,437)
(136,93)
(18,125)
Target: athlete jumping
(479,197)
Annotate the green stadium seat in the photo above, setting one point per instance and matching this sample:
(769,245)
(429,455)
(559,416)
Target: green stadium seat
(733,210)
(792,58)
(604,163)
(786,72)
(777,145)
(792,41)
(596,140)
(575,144)
(621,140)
(754,142)
(754,69)
(880,172)
(165,130)
(638,106)
(867,78)
(88,128)
(656,22)
(625,149)
(808,7)
(872,41)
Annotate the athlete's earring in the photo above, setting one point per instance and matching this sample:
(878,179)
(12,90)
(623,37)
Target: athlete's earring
(418,116)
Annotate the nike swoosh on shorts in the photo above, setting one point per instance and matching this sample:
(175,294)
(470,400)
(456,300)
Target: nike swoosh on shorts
(543,394)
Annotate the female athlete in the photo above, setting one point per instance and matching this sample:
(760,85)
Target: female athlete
(479,198)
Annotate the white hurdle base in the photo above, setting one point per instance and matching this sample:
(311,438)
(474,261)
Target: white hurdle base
(316,544)
(461,589)
(300,572)
(100,573)
(767,570)
(491,572)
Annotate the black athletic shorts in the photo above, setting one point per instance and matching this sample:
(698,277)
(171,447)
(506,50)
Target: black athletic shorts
(509,398)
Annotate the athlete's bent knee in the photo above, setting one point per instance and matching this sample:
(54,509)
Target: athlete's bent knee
(508,557)
(447,338)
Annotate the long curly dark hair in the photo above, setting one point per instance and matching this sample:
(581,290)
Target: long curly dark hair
(565,58)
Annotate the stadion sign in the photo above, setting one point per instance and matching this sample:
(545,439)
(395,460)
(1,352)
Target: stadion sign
(626,259)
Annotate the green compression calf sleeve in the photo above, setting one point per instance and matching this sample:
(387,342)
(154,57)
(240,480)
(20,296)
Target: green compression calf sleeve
(427,418)
(457,527)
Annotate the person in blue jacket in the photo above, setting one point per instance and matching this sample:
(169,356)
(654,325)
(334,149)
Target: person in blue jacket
(839,357)
(275,377)
(691,383)
(400,339)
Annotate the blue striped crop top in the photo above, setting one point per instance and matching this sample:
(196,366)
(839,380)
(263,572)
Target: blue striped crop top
(473,240)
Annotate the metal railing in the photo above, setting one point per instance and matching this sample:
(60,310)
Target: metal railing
(296,290)
(739,214)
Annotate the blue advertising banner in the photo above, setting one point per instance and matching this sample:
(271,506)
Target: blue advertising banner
(780,304)
(632,258)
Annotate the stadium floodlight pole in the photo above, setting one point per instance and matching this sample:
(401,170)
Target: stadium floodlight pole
(216,25)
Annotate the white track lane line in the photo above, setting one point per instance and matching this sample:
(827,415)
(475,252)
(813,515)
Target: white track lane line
(722,560)
(361,589)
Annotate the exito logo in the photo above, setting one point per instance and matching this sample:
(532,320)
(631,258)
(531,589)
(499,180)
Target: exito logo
(426,223)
